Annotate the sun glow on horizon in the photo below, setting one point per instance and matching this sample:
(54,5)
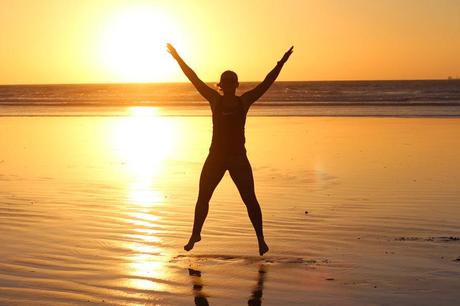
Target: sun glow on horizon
(133,44)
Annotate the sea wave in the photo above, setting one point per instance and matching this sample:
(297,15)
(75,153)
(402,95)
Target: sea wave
(427,92)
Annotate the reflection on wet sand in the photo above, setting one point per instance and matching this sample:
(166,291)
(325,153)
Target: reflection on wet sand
(257,292)
(200,297)
(142,142)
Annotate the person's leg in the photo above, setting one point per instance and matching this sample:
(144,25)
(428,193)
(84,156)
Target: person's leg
(211,174)
(241,173)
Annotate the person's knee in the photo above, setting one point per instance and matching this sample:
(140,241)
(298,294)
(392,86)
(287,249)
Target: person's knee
(202,202)
(250,201)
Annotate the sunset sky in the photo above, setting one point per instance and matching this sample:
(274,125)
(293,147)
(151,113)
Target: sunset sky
(103,41)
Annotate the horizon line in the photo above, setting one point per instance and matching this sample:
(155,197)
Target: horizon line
(187,82)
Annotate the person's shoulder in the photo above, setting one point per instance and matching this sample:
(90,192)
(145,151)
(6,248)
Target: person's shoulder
(244,102)
(215,99)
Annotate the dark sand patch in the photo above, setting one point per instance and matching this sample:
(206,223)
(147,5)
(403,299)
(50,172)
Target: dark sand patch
(216,258)
(431,239)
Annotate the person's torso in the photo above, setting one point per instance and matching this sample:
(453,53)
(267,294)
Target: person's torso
(228,128)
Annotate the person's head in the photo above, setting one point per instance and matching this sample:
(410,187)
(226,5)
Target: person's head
(228,82)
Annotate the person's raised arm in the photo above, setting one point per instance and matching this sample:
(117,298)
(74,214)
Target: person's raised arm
(207,92)
(254,94)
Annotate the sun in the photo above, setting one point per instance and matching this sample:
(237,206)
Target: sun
(133,44)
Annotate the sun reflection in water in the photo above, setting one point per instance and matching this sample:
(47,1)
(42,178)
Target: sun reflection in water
(148,273)
(143,141)
(142,194)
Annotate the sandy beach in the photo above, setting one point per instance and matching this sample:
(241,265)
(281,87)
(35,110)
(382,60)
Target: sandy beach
(357,211)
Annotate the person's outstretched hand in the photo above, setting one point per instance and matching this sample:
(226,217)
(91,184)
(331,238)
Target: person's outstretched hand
(286,55)
(172,50)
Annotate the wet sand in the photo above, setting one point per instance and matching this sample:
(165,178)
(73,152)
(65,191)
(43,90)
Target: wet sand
(357,211)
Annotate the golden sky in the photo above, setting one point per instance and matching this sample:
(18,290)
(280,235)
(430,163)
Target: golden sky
(103,41)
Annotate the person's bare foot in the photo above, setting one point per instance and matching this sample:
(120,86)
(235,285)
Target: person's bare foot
(193,239)
(263,247)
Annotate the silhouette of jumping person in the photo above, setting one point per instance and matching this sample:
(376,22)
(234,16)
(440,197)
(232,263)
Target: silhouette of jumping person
(227,151)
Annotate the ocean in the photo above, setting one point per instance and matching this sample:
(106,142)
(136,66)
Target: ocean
(304,98)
